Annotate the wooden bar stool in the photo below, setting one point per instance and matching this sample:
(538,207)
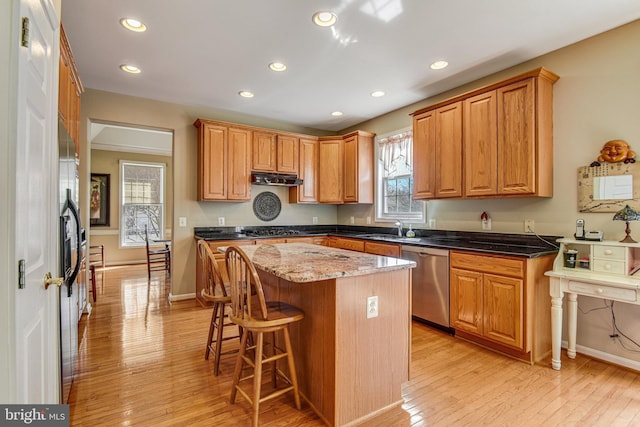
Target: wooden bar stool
(159,259)
(96,255)
(250,311)
(216,291)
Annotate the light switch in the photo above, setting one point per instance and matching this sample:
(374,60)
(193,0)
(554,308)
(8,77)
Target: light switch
(182,221)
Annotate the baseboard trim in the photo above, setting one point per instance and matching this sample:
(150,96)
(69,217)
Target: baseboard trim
(181,297)
(606,357)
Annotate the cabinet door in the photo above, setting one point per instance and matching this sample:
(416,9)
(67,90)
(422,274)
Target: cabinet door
(466,300)
(348,244)
(264,152)
(448,154)
(308,172)
(239,164)
(424,148)
(503,311)
(287,154)
(516,138)
(212,164)
(330,177)
(351,170)
(480,145)
(384,249)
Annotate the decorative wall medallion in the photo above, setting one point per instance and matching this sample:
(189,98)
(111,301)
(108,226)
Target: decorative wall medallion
(267,206)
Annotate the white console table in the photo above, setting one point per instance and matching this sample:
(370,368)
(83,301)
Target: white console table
(610,274)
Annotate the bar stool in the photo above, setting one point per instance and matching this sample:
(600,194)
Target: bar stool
(216,291)
(250,311)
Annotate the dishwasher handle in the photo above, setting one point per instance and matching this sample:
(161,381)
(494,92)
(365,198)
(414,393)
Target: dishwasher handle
(422,251)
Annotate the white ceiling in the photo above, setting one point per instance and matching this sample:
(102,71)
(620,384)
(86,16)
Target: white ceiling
(203,52)
(113,137)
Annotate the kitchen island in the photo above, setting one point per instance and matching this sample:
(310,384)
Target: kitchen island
(351,365)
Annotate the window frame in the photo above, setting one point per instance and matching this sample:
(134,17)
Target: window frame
(380,179)
(121,202)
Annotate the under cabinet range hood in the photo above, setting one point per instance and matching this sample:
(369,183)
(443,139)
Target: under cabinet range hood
(267,178)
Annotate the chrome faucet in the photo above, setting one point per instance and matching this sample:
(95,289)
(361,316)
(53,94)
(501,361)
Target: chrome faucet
(399,225)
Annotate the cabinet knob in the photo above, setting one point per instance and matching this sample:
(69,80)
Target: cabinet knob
(607,266)
(608,252)
(599,290)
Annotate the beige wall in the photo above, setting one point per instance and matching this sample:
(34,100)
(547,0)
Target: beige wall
(109,162)
(596,99)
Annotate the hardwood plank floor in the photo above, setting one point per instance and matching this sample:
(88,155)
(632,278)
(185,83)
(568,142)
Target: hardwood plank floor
(142,363)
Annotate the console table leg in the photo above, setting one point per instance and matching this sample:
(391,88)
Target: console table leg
(556,331)
(572,323)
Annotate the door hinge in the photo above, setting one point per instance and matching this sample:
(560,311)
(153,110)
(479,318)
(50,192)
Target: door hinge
(24,42)
(21,275)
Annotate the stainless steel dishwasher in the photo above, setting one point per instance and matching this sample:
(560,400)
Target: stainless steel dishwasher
(430,285)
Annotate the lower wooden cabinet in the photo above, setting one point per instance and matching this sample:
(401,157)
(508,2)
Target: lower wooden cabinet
(502,303)
(346,243)
(384,249)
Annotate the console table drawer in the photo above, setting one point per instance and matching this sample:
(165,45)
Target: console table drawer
(607,292)
(608,266)
(610,252)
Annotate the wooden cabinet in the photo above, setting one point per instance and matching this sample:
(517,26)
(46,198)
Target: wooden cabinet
(501,302)
(330,170)
(272,152)
(437,141)
(308,172)
(224,162)
(384,249)
(346,243)
(507,149)
(358,168)
(69,91)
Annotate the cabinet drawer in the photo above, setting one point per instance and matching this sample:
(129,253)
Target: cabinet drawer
(611,252)
(349,244)
(607,292)
(488,264)
(608,266)
(384,249)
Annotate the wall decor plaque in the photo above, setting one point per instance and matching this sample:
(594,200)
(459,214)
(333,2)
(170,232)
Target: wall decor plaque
(267,206)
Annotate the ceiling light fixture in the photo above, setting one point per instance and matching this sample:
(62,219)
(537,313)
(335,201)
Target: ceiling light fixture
(377,94)
(133,25)
(336,113)
(277,66)
(131,69)
(324,18)
(246,94)
(438,65)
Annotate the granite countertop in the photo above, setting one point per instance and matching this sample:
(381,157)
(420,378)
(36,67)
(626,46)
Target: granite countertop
(305,262)
(522,245)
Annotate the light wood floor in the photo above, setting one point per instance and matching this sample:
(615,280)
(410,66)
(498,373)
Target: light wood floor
(142,363)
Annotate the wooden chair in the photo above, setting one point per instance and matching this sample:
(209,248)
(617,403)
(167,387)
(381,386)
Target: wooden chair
(216,291)
(252,313)
(96,258)
(158,259)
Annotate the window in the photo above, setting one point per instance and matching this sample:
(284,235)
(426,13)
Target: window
(394,169)
(142,202)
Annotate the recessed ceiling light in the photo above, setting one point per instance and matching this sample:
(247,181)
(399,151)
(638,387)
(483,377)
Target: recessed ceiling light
(324,18)
(132,69)
(336,113)
(277,66)
(133,25)
(245,94)
(438,65)
(377,94)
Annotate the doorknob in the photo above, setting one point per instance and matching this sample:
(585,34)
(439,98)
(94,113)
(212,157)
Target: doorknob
(50,280)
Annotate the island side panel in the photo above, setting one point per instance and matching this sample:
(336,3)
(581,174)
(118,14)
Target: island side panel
(373,358)
(312,339)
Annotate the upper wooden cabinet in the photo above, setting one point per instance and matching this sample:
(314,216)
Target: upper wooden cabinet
(330,170)
(308,172)
(507,148)
(275,152)
(224,162)
(69,91)
(358,167)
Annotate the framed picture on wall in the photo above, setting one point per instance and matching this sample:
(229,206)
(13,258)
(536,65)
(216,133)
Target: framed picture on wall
(99,206)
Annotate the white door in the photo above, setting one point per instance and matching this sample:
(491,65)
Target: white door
(36,227)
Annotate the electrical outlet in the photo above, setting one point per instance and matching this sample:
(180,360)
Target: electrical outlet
(486,224)
(315,219)
(372,307)
(432,223)
(182,221)
(529,226)
(352,220)
(220,220)
(368,220)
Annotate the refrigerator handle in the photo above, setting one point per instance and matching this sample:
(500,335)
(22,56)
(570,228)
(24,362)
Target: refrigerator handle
(69,204)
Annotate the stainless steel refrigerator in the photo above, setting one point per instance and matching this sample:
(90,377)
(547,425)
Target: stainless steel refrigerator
(71,260)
